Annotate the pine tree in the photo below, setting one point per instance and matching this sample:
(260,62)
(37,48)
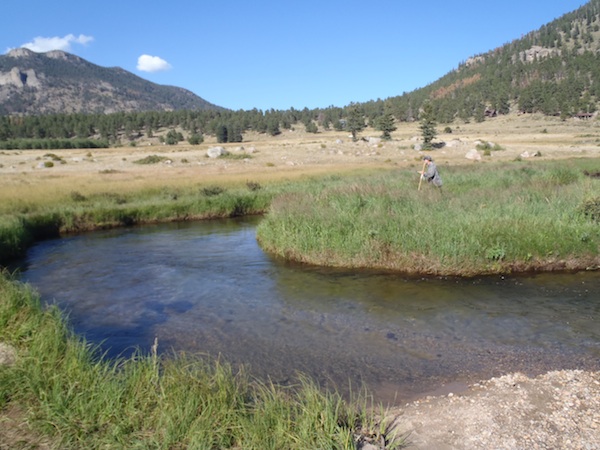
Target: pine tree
(386,125)
(356,121)
(427,126)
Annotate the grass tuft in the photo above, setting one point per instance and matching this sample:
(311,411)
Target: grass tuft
(78,399)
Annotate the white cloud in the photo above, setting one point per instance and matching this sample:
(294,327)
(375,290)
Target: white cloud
(45,44)
(147,63)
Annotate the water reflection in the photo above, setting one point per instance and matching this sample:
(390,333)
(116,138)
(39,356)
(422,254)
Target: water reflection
(208,288)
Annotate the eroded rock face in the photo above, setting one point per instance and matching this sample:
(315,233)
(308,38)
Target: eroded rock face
(20,78)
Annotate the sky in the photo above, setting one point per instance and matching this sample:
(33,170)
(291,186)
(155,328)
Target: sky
(268,54)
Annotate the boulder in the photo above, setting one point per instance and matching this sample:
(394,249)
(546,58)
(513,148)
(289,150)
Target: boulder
(473,155)
(454,143)
(215,152)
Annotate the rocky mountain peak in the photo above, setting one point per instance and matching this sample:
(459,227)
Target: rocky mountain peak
(20,53)
(59,54)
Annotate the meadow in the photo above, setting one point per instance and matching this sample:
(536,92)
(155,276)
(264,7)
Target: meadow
(514,217)
(326,201)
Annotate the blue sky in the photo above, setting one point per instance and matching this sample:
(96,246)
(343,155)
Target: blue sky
(264,54)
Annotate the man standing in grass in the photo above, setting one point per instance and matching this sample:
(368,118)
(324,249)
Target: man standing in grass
(431,174)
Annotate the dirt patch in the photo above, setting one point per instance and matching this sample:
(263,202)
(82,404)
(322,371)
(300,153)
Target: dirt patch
(16,434)
(557,410)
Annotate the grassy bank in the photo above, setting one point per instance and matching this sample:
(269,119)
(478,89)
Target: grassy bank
(498,218)
(76,400)
(25,222)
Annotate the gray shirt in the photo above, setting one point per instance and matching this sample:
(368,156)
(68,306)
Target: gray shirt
(432,175)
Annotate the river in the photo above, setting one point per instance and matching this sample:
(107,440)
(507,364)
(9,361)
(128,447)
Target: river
(207,288)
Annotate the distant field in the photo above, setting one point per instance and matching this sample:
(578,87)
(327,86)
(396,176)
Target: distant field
(291,155)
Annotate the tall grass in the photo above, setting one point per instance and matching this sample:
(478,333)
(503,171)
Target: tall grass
(487,219)
(79,212)
(81,400)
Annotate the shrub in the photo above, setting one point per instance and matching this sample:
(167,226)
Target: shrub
(591,209)
(253,186)
(235,156)
(77,197)
(196,139)
(151,159)
(487,146)
(562,176)
(211,191)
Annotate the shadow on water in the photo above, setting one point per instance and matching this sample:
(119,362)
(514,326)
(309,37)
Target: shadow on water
(208,288)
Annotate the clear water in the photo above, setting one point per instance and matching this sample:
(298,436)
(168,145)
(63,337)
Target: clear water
(207,288)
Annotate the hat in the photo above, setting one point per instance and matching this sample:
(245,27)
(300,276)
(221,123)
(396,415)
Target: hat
(427,158)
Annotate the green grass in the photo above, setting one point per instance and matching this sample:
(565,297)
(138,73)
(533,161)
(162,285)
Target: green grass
(488,219)
(79,400)
(76,212)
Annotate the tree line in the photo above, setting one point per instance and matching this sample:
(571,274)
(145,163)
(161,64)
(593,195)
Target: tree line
(564,81)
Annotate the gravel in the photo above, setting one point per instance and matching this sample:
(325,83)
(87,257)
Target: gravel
(556,410)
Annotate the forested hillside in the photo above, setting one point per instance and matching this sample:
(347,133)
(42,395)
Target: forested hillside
(554,71)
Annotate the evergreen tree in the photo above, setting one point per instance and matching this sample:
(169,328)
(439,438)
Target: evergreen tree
(311,127)
(195,139)
(221,133)
(273,126)
(386,125)
(356,120)
(234,133)
(428,124)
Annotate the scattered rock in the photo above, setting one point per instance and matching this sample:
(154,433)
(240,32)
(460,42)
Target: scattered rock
(454,143)
(473,155)
(8,354)
(215,152)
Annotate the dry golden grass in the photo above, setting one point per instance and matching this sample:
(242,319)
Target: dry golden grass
(291,155)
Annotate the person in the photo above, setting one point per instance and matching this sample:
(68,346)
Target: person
(432,175)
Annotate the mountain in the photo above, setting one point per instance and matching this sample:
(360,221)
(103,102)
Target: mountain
(554,70)
(58,82)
